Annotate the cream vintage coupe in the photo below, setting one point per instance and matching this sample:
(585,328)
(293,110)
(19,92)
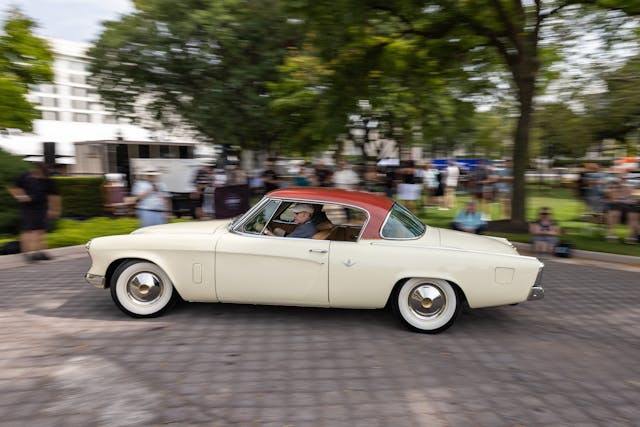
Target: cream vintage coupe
(368,252)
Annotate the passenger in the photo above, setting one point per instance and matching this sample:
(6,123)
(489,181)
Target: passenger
(302,216)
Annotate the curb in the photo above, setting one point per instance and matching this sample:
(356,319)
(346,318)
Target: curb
(588,255)
(58,254)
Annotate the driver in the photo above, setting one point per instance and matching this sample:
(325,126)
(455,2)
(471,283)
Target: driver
(302,216)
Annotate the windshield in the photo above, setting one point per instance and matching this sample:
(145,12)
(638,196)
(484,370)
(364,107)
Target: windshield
(402,224)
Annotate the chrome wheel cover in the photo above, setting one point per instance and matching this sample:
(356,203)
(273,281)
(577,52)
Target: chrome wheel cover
(427,301)
(144,288)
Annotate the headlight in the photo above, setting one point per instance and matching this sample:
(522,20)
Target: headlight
(88,245)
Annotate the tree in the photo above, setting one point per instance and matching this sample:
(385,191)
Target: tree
(562,132)
(24,60)
(499,39)
(207,62)
(615,113)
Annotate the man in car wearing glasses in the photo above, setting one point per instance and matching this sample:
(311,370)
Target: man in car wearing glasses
(302,216)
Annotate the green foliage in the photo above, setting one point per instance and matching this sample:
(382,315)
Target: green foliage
(72,232)
(206,61)
(11,168)
(616,112)
(562,132)
(81,196)
(24,60)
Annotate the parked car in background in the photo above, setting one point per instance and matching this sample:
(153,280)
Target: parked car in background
(368,252)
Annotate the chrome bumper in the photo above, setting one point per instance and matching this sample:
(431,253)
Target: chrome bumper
(95,280)
(537,292)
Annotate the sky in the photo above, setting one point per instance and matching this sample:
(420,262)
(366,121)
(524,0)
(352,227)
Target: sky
(75,20)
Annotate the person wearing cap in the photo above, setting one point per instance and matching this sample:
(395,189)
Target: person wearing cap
(302,216)
(152,199)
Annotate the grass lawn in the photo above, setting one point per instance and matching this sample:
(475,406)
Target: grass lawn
(566,208)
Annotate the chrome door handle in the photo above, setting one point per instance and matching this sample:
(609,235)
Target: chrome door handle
(318,251)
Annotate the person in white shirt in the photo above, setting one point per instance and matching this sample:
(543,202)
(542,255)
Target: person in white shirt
(451,182)
(345,177)
(152,199)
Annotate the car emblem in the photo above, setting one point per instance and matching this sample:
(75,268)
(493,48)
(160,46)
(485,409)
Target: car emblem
(349,263)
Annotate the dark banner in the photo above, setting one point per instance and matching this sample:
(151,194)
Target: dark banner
(231,200)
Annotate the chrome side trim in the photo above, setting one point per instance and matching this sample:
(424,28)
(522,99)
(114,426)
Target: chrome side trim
(95,280)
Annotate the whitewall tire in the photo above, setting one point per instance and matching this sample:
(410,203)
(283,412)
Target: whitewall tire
(427,305)
(142,289)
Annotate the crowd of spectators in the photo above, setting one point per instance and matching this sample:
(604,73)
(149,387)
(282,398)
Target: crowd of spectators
(419,185)
(613,198)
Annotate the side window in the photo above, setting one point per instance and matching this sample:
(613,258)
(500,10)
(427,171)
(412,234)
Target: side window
(257,223)
(402,224)
(344,223)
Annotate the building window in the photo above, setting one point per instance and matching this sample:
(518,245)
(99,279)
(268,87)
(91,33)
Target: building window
(77,65)
(143,151)
(76,78)
(109,119)
(45,88)
(79,91)
(79,105)
(164,151)
(50,115)
(184,152)
(80,117)
(48,102)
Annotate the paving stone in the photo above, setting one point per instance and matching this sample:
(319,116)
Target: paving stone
(69,357)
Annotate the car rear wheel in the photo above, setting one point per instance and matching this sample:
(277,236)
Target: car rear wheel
(142,289)
(427,305)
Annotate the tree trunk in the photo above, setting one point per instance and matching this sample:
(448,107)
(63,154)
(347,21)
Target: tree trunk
(521,155)
(524,70)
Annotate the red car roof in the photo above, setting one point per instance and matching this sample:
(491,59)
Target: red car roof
(377,205)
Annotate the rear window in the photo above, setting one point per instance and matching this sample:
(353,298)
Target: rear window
(402,224)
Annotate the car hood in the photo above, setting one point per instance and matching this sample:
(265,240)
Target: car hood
(474,242)
(198,227)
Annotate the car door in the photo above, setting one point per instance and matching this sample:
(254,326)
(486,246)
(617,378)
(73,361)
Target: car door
(259,269)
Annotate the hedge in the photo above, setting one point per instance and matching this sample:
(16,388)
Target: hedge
(81,196)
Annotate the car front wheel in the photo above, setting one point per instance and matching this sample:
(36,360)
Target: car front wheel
(427,305)
(142,289)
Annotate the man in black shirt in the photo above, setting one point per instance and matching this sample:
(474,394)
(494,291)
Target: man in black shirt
(39,200)
(270,180)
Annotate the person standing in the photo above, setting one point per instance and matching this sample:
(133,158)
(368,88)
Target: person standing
(409,190)
(451,184)
(152,199)
(323,174)
(504,188)
(270,180)
(431,183)
(345,177)
(39,201)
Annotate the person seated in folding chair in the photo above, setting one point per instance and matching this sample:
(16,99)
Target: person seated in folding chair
(305,229)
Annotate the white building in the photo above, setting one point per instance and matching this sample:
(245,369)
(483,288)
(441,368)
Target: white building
(71,111)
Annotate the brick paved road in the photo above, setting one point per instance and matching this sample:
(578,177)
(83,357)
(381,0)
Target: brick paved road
(68,357)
